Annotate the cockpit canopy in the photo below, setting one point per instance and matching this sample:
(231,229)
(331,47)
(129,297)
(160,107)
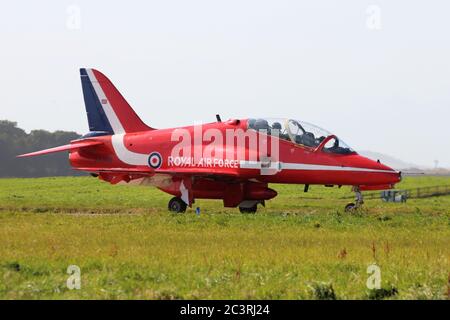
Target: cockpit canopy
(301,133)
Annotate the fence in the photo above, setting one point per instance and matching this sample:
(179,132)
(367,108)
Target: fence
(423,192)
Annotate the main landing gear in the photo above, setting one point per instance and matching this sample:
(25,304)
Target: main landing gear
(358,202)
(250,206)
(251,209)
(177,205)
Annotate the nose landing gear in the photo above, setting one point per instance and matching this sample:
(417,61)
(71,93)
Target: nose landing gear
(358,202)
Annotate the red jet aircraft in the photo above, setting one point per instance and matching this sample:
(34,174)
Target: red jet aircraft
(233,160)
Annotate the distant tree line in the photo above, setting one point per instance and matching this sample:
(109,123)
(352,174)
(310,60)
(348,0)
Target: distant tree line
(15,141)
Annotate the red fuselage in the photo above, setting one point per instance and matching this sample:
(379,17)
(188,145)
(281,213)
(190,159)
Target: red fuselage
(234,160)
(219,176)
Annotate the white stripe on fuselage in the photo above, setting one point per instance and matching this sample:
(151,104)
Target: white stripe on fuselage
(309,167)
(139,159)
(125,155)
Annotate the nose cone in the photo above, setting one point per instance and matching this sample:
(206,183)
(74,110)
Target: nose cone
(390,176)
(376,173)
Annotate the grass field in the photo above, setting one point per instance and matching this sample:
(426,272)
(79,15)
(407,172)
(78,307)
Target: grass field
(301,246)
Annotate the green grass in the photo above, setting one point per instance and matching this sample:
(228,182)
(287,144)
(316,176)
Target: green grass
(129,247)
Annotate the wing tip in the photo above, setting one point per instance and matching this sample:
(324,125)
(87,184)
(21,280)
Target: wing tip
(68,147)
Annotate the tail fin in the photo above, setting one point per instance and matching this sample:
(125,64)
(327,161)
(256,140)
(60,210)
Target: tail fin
(107,110)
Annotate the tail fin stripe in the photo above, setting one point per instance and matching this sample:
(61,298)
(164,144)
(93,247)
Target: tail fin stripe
(97,118)
(110,114)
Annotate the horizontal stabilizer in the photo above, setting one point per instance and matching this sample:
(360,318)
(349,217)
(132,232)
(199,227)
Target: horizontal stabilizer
(67,147)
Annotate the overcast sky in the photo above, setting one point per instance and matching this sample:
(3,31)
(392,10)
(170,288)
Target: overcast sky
(375,73)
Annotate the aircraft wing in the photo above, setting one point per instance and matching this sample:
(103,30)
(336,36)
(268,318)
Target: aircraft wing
(181,172)
(67,147)
(182,175)
(139,171)
(199,172)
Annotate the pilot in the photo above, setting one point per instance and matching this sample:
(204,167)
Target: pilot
(276,126)
(251,123)
(262,124)
(308,139)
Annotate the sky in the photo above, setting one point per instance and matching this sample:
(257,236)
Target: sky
(376,73)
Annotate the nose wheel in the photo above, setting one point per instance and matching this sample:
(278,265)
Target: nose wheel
(350,207)
(359,201)
(177,205)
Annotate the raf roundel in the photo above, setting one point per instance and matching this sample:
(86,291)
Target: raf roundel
(155,160)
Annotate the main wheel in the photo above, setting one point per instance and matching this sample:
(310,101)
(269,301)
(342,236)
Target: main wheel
(177,205)
(249,210)
(350,207)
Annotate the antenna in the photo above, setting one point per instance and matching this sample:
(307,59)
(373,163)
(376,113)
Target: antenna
(436,164)
(218,118)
